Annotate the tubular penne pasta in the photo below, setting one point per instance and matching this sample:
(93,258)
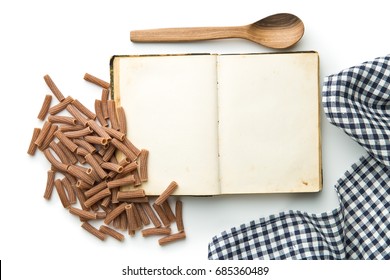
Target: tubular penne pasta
(45,107)
(124,149)
(91,229)
(84,110)
(105,94)
(61,193)
(166,193)
(99,113)
(60,153)
(130,194)
(96,140)
(112,166)
(84,144)
(131,219)
(60,106)
(144,218)
(33,147)
(83,186)
(79,133)
(82,213)
(70,156)
(168,211)
(66,141)
(143,165)
(62,120)
(57,164)
(160,212)
(114,133)
(122,120)
(131,146)
(99,82)
(49,137)
(98,129)
(179,216)
(153,217)
(76,114)
(42,135)
(112,114)
(115,213)
(95,165)
(171,238)
(49,184)
(111,232)
(100,195)
(69,190)
(78,173)
(155,231)
(52,86)
(128,180)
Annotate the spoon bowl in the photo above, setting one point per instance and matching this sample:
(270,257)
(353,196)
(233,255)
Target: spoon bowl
(278,31)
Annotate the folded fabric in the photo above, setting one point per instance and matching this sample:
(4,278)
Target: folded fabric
(357,100)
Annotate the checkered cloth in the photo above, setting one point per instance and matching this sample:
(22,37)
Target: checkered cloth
(356,100)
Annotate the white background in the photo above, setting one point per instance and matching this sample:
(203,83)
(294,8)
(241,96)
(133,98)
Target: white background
(65,39)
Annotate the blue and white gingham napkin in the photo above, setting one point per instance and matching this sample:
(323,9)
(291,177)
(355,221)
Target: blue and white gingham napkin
(357,100)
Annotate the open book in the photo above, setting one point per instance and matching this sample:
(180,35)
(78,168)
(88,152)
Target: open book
(224,124)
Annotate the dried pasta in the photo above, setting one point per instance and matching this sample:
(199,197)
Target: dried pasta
(92,79)
(52,86)
(166,193)
(45,107)
(33,147)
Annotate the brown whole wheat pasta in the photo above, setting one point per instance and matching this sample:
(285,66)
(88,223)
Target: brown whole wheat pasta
(70,178)
(95,189)
(114,195)
(156,231)
(42,135)
(115,213)
(171,238)
(82,213)
(166,193)
(83,186)
(60,106)
(179,216)
(105,94)
(128,168)
(70,127)
(151,214)
(62,119)
(80,196)
(92,79)
(105,203)
(114,133)
(143,164)
(108,153)
(123,195)
(137,217)
(91,229)
(45,107)
(59,152)
(61,193)
(124,149)
(122,119)
(160,212)
(92,172)
(79,133)
(112,114)
(131,146)
(76,114)
(98,129)
(112,166)
(168,211)
(49,137)
(76,172)
(111,232)
(95,198)
(84,144)
(99,113)
(144,218)
(95,165)
(49,184)
(33,147)
(69,190)
(128,180)
(96,140)
(100,215)
(52,86)
(81,152)
(131,219)
(57,164)
(66,141)
(136,199)
(123,221)
(71,157)
(84,110)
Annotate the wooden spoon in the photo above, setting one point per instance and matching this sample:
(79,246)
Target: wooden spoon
(278,31)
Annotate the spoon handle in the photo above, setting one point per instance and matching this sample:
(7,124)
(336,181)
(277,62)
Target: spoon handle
(185,34)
